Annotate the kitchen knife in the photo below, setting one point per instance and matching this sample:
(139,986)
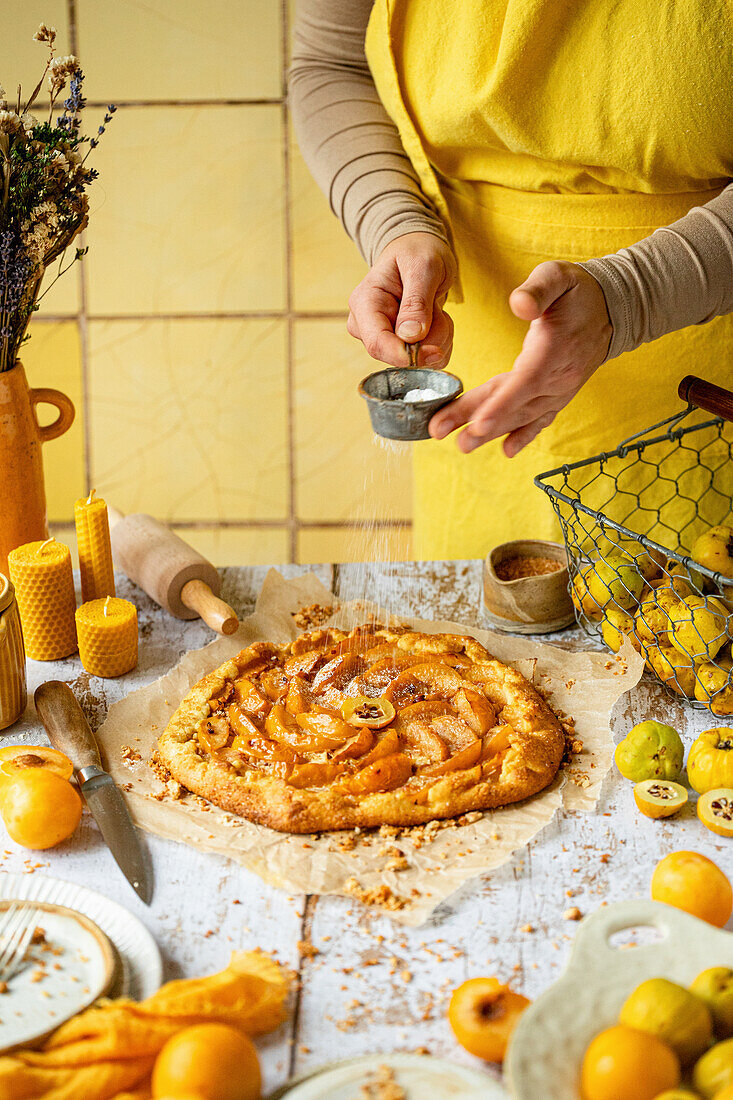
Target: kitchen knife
(69,731)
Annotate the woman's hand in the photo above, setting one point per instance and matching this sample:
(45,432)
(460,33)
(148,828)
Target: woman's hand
(401,301)
(567,341)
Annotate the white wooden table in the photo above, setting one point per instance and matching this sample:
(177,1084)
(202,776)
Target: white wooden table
(373,987)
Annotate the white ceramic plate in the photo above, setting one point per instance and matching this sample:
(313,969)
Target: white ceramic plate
(140,971)
(422,1078)
(62,974)
(547,1048)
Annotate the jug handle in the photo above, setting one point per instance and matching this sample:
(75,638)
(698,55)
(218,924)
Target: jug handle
(66,411)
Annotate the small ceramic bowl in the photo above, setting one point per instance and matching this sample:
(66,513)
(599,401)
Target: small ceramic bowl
(394,418)
(528,605)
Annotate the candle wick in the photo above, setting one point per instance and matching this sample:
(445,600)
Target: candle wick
(106,605)
(43,545)
(90,498)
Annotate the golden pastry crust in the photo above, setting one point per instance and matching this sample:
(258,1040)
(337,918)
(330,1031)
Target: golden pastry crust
(294,736)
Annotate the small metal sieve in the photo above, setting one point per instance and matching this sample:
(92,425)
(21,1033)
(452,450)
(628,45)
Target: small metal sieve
(394,418)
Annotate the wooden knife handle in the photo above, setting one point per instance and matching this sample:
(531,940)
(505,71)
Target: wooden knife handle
(706,395)
(218,615)
(66,724)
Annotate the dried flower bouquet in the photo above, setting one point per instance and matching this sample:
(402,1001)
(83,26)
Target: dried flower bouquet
(43,184)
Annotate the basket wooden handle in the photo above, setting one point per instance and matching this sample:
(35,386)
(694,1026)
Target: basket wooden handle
(705,395)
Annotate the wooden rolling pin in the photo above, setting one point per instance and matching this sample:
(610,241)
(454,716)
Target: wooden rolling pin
(171,572)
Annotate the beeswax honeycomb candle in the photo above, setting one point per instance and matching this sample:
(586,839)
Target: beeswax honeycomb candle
(95,552)
(44,588)
(107,631)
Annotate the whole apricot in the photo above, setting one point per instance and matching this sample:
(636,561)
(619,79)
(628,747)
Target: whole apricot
(692,882)
(210,1061)
(483,1014)
(624,1062)
(40,808)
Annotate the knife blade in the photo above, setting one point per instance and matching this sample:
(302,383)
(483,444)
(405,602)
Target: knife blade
(69,731)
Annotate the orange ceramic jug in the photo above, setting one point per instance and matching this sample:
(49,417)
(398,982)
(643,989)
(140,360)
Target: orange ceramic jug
(22,491)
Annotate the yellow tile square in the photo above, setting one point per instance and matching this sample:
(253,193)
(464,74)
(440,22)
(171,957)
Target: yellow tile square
(187,215)
(188,418)
(342,544)
(343,471)
(326,264)
(21,59)
(181,49)
(239,545)
(61,297)
(52,357)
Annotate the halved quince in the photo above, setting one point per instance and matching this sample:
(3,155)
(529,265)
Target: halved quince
(383,775)
(17,759)
(658,798)
(715,810)
(363,711)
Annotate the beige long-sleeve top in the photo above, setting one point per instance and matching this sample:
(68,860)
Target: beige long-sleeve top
(680,275)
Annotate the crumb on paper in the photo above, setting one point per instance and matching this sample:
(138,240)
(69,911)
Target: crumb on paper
(380,896)
(130,756)
(313,615)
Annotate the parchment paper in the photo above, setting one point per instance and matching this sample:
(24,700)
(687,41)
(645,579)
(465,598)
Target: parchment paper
(584,685)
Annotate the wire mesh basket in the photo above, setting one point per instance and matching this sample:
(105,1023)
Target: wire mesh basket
(649,537)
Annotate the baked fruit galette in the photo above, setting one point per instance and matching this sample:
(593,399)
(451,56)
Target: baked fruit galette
(374,727)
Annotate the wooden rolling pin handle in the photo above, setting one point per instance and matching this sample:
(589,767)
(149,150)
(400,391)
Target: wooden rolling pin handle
(218,615)
(706,395)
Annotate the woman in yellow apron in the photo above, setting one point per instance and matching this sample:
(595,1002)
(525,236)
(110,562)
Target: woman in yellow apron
(542,134)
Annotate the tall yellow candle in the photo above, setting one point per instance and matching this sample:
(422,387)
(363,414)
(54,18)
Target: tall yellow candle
(44,588)
(107,632)
(95,552)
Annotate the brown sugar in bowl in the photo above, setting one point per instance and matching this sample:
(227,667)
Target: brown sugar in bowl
(526,587)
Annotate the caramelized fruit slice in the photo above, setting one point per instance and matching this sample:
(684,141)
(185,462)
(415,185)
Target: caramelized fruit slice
(659,797)
(464,758)
(15,759)
(262,748)
(417,733)
(475,709)
(383,775)
(302,738)
(356,746)
(715,810)
(304,663)
(315,775)
(363,711)
(275,684)
(298,698)
(214,733)
(330,730)
(338,672)
(250,699)
(386,746)
(426,681)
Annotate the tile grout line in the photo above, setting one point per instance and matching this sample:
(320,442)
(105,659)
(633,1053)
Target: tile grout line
(289,335)
(211,315)
(81,316)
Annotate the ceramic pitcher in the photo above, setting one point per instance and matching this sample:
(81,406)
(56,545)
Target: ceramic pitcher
(22,490)
(12,658)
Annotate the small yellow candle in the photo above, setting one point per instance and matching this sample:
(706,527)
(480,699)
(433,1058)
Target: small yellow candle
(107,632)
(95,552)
(44,588)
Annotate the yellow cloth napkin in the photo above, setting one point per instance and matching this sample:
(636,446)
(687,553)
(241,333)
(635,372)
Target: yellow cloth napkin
(108,1052)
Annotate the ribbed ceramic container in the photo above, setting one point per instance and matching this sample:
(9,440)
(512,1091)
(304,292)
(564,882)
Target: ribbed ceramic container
(12,658)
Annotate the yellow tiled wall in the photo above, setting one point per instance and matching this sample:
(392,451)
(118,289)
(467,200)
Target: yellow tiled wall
(203,338)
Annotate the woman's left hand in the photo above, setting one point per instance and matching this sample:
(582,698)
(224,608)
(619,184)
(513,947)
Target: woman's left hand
(568,339)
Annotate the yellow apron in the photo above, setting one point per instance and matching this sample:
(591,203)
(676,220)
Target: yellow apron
(547,130)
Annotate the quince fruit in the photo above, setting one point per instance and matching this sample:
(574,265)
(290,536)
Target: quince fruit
(681,580)
(710,760)
(581,596)
(701,625)
(616,580)
(617,625)
(714,685)
(715,987)
(678,1094)
(673,668)
(650,750)
(714,550)
(657,798)
(673,1014)
(714,1071)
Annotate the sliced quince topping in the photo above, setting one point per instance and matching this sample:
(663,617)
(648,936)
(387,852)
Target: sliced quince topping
(364,711)
(475,709)
(323,724)
(425,681)
(383,775)
(464,758)
(418,734)
(241,723)
(338,672)
(304,736)
(214,733)
(497,742)
(356,746)
(275,684)
(259,658)
(262,748)
(316,775)
(388,744)
(304,664)
(250,698)
(298,698)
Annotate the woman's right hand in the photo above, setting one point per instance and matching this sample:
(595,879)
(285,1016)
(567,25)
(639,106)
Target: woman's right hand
(401,301)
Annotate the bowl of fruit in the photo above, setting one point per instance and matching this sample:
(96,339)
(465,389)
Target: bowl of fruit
(646,1018)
